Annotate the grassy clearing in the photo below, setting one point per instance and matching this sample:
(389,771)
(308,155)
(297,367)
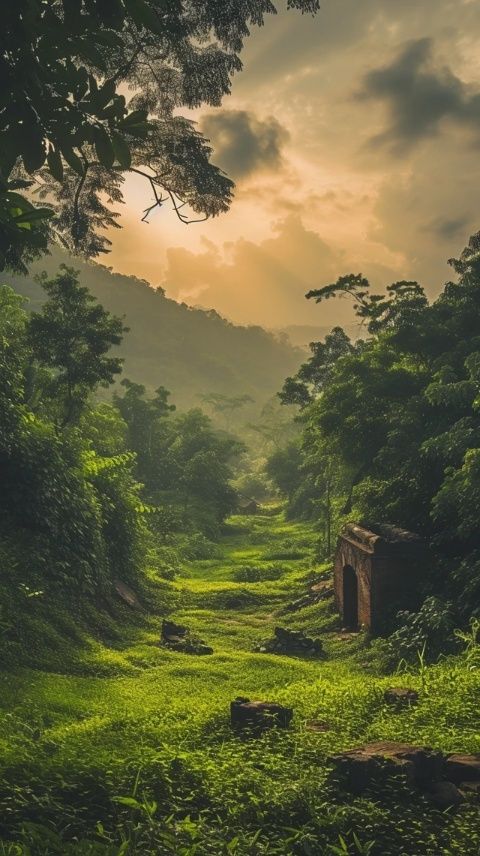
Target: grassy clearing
(134,755)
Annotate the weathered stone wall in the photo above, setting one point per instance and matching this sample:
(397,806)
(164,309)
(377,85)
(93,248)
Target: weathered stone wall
(360,560)
(386,573)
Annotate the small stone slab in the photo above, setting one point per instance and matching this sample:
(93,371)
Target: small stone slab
(257,716)
(400,696)
(463,768)
(322,590)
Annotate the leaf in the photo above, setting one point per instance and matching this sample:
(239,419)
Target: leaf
(103,146)
(136,117)
(131,802)
(144,16)
(88,51)
(33,149)
(15,199)
(54,160)
(104,94)
(136,123)
(122,150)
(73,160)
(33,215)
(109,38)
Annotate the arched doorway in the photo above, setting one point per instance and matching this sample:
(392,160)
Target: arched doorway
(350,598)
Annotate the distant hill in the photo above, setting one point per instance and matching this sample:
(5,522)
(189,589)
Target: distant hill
(189,351)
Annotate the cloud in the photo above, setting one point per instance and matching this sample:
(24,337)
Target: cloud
(244,144)
(419,96)
(450,227)
(265,283)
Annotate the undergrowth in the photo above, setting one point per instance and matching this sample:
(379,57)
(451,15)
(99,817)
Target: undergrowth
(124,747)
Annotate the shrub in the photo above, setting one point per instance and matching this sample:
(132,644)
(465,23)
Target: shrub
(249,574)
(428,632)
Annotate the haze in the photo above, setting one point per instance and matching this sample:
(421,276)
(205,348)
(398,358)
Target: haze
(354,142)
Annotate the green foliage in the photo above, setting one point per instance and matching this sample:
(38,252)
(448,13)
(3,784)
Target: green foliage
(391,427)
(72,336)
(182,460)
(191,351)
(427,633)
(252,574)
(131,752)
(284,467)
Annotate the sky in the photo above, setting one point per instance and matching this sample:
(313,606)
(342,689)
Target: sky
(354,141)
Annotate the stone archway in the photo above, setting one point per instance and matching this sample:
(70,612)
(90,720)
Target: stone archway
(350,598)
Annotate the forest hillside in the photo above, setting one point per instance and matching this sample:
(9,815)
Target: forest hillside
(192,352)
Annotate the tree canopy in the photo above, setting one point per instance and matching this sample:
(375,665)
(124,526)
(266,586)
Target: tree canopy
(68,132)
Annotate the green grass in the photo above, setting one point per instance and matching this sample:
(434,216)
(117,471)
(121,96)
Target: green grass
(133,754)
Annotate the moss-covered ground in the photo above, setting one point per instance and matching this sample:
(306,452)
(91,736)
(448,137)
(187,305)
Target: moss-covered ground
(131,752)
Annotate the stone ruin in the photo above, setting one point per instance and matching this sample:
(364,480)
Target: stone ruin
(254,717)
(178,638)
(293,642)
(376,572)
(446,780)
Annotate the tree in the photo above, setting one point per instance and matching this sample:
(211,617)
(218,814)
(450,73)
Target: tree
(313,375)
(397,421)
(148,433)
(67,129)
(72,337)
(225,405)
(13,359)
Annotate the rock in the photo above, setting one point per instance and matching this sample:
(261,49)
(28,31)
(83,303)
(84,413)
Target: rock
(257,716)
(172,632)
(290,642)
(400,696)
(178,638)
(445,795)
(463,768)
(357,769)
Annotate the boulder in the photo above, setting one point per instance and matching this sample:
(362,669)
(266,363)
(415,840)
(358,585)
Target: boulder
(290,642)
(463,768)
(400,696)
(257,716)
